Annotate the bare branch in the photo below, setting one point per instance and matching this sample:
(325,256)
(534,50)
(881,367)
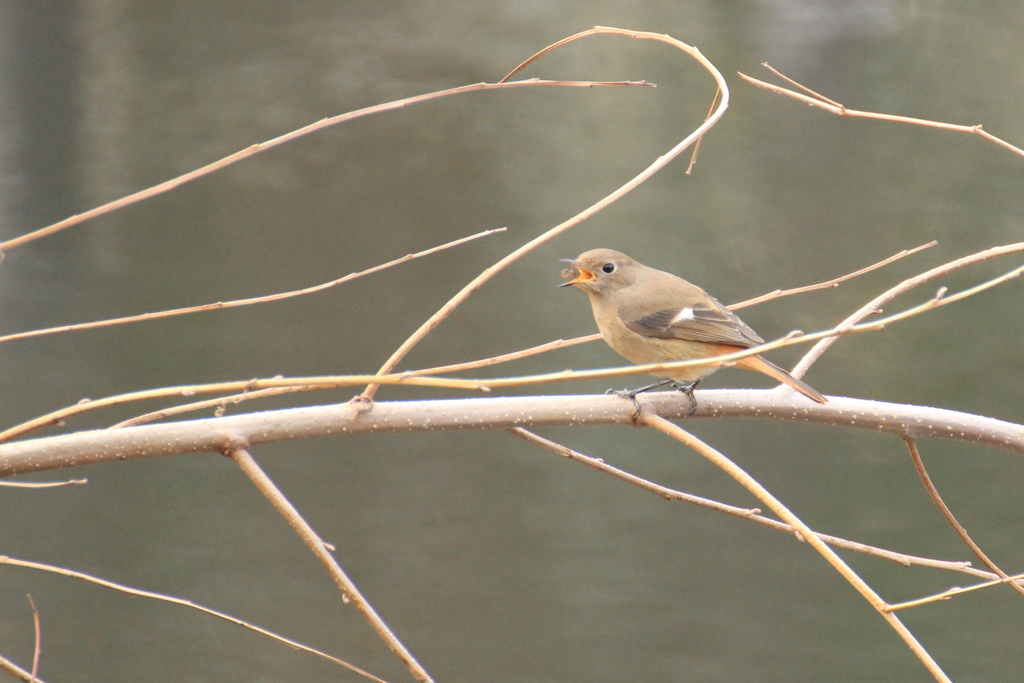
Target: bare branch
(217,434)
(622,475)
(16,671)
(834,282)
(263,393)
(762,494)
(822,102)
(875,304)
(936,497)
(750,514)
(37,648)
(288,137)
(245,302)
(42,484)
(848,326)
(244,460)
(121,588)
(956,590)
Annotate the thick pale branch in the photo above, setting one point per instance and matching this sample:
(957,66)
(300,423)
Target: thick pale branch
(218,434)
(826,337)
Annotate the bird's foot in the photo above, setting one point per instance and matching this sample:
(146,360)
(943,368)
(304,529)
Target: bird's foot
(631,395)
(687,388)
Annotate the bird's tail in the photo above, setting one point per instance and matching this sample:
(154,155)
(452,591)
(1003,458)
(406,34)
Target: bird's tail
(774,371)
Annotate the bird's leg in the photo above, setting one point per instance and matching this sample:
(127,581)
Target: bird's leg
(685,387)
(631,394)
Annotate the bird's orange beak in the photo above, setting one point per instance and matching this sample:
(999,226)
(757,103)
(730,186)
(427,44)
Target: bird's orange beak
(575,274)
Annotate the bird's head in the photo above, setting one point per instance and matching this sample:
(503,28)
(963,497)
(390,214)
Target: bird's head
(597,270)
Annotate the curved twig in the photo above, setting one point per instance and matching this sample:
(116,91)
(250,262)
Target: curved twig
(834,282)
(936,497)
(174,183)
(477,282)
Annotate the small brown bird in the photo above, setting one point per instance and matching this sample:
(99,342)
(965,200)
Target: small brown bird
(650,316)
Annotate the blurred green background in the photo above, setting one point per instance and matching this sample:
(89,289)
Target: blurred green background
(493,560)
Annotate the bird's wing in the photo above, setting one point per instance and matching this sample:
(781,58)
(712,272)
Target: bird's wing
(705,321)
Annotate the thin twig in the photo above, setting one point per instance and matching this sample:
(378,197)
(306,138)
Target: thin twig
(288,137)
(801,87)
(956,590)
(263,393)
(936,497)
(245,302)
(245,461)
(41,484)
(128,590)
(16,671)
(650,486)
(700,140)
(751,514)
(822,102)
(762,494)
(779,293)
(505,357)
(219,403)
(875,304)
(37,648)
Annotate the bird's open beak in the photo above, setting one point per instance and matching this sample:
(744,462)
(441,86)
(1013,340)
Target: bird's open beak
(575,274)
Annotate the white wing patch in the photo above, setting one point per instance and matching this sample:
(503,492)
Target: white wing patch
(684,315)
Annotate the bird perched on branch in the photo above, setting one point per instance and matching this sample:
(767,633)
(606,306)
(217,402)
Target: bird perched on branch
(650,316)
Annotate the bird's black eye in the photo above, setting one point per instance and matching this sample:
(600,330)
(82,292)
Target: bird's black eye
(608,267)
